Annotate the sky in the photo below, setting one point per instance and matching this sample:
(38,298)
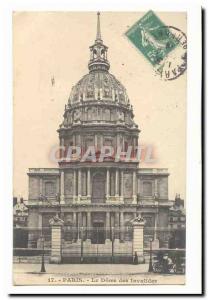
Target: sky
(55,45)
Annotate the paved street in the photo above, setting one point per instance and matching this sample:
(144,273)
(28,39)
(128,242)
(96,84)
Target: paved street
(86,274)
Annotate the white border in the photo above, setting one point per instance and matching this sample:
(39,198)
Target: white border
(193,198)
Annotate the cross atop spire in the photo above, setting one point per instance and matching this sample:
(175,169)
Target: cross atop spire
(98,36)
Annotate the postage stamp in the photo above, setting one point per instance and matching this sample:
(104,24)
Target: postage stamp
(163,46)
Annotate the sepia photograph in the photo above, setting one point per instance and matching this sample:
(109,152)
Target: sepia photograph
(100,131)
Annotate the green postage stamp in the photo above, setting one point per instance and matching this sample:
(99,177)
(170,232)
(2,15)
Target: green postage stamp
(156,41)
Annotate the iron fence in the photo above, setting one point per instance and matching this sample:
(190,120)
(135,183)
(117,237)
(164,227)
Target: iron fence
(93,244)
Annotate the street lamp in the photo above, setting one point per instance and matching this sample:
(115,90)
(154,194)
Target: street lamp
(43,270)
(150,259)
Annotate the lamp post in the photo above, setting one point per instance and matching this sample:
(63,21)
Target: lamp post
(43,270)
(150,259)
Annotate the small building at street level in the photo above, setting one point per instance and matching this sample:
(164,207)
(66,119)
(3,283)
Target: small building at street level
(98,199)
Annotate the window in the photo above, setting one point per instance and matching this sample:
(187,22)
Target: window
(147,188)
(49,188)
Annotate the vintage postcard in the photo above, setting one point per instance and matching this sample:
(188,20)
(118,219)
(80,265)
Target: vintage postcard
(100,132)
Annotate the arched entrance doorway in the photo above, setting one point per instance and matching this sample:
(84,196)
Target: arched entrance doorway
(98,188)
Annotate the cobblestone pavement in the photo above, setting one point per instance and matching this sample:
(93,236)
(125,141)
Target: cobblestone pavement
(88,274)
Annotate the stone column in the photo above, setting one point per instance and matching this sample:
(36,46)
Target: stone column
(79,183)
(117,225)
(79,224)
(155,189)
(62,188)
(122,186)
(40,190)
(134,189)
(107,226)
(138,186)
(138,239)
(107,183)
(74,233)
(121,226)
(74,186)
(88,184)
(41,185)
(56,232)
(117,184)
(89,226)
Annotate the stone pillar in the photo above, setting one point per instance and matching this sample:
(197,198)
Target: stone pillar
(122,186)
(62,188)
(56,232)
(88,226)
(107,226)
(116,225)
(74,186)
(138,186)
(107,183)
(79,224)
(88,184)
(138,238)
(79,183)
(117,184)
(156,189)
(134,189)
(121,226)
(41,185)
(74,233)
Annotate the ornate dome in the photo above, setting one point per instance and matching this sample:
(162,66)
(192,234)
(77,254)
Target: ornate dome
(100,86)
(98,97)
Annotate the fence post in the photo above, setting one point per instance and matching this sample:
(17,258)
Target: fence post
(56,233)
(138,239)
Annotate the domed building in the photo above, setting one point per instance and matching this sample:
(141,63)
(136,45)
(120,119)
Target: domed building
(96,190)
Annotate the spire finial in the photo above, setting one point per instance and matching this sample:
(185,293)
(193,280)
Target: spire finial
(98,36)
